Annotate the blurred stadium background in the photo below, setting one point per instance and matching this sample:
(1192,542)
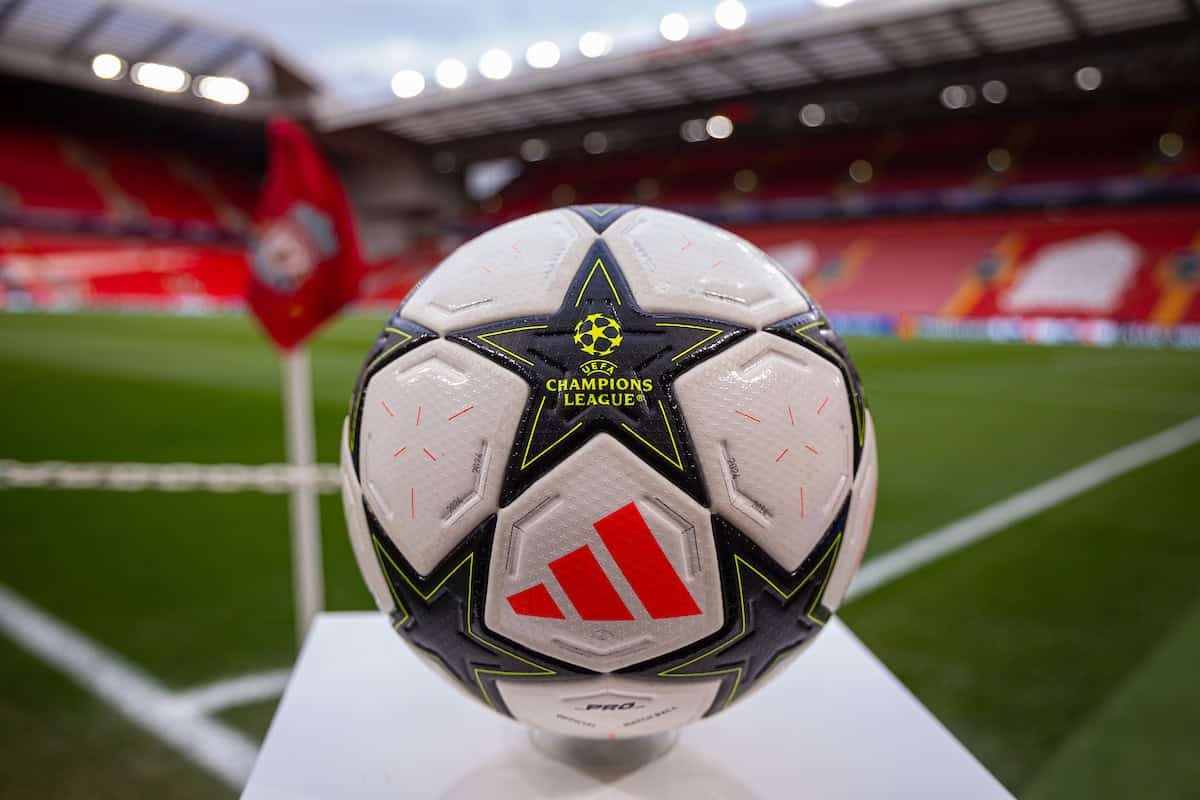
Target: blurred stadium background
(996,199)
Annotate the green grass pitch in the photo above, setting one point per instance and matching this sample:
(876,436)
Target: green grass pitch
(1062,651)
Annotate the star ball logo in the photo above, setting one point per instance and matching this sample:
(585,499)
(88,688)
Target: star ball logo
(598,335)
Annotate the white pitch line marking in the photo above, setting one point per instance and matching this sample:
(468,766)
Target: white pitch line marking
(997,517)
(216,747)
(232,692)
(179,718)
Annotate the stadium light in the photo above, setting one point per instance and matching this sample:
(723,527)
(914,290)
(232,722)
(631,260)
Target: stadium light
(693,131)
(159,77)
(542,55)
(833,3)
(999,159)
(957,96)
(995,92)
(495,64)
(730,14)
(595,142)
(450,73)
(813,115)
(534,149)
(1170,144)
(745,180)
(1088,79)
(595,44)
(861,171)
(673,27)
(223,90)
(108,67)
(719,127)
(407,83)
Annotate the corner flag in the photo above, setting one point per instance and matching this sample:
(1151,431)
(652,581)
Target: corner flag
(304,263)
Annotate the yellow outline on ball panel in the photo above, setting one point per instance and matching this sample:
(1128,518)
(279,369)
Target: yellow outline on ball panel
(676,462)
(469,561)
(715,333)
(740,563)
(486,339)
(599,263)
(408,337)
(525,459)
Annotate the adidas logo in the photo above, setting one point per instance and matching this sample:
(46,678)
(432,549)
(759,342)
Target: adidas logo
(641,561)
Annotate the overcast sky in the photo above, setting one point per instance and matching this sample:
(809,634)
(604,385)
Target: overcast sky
(355,46)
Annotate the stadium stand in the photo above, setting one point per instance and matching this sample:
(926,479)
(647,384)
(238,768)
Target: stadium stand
(1070,215)
(39,170)
(1128,265)
(48,170)
(1131,265)
(1114,153)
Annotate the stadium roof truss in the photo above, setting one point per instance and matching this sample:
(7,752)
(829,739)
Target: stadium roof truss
(827,46)
(56,40)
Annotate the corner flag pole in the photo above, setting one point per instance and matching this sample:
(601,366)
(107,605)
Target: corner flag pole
(307,582)
(304,266)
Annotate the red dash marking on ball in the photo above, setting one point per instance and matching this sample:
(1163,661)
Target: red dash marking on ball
(387,408)
(686,246)
(822,406)
(811,449)
(747,416)
(791,416)
(412,502)
(459,414)
(398,452)
(717,263)
(432,457)
(781,455)
(488,270)
(418,416)
(801,502)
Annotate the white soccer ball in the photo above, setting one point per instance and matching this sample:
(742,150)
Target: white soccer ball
(610,467)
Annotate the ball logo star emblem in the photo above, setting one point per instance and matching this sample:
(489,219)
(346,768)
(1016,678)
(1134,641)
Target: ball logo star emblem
(597,335)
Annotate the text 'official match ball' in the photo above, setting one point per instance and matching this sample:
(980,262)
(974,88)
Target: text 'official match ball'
(609,468)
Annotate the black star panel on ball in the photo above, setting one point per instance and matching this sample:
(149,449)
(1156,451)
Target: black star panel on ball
(442,614)
(601,364)
(769,612)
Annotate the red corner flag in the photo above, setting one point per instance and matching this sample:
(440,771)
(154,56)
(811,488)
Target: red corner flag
(304,262)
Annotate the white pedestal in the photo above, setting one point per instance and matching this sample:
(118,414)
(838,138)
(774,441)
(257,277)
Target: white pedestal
(364,718)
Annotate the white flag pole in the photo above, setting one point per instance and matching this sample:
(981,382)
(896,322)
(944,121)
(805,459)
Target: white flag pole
(307,583)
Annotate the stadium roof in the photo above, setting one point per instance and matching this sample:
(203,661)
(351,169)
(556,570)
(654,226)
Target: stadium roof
(864,39)
(57,40)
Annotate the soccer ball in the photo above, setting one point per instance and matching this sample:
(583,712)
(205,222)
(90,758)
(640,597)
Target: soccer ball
(609,468)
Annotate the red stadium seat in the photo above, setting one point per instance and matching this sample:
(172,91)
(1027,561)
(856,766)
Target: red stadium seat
(44,170)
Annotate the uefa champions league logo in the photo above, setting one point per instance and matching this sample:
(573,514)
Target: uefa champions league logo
(598,335)
(291,247)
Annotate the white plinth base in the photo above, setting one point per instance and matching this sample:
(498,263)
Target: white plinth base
(364,718)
